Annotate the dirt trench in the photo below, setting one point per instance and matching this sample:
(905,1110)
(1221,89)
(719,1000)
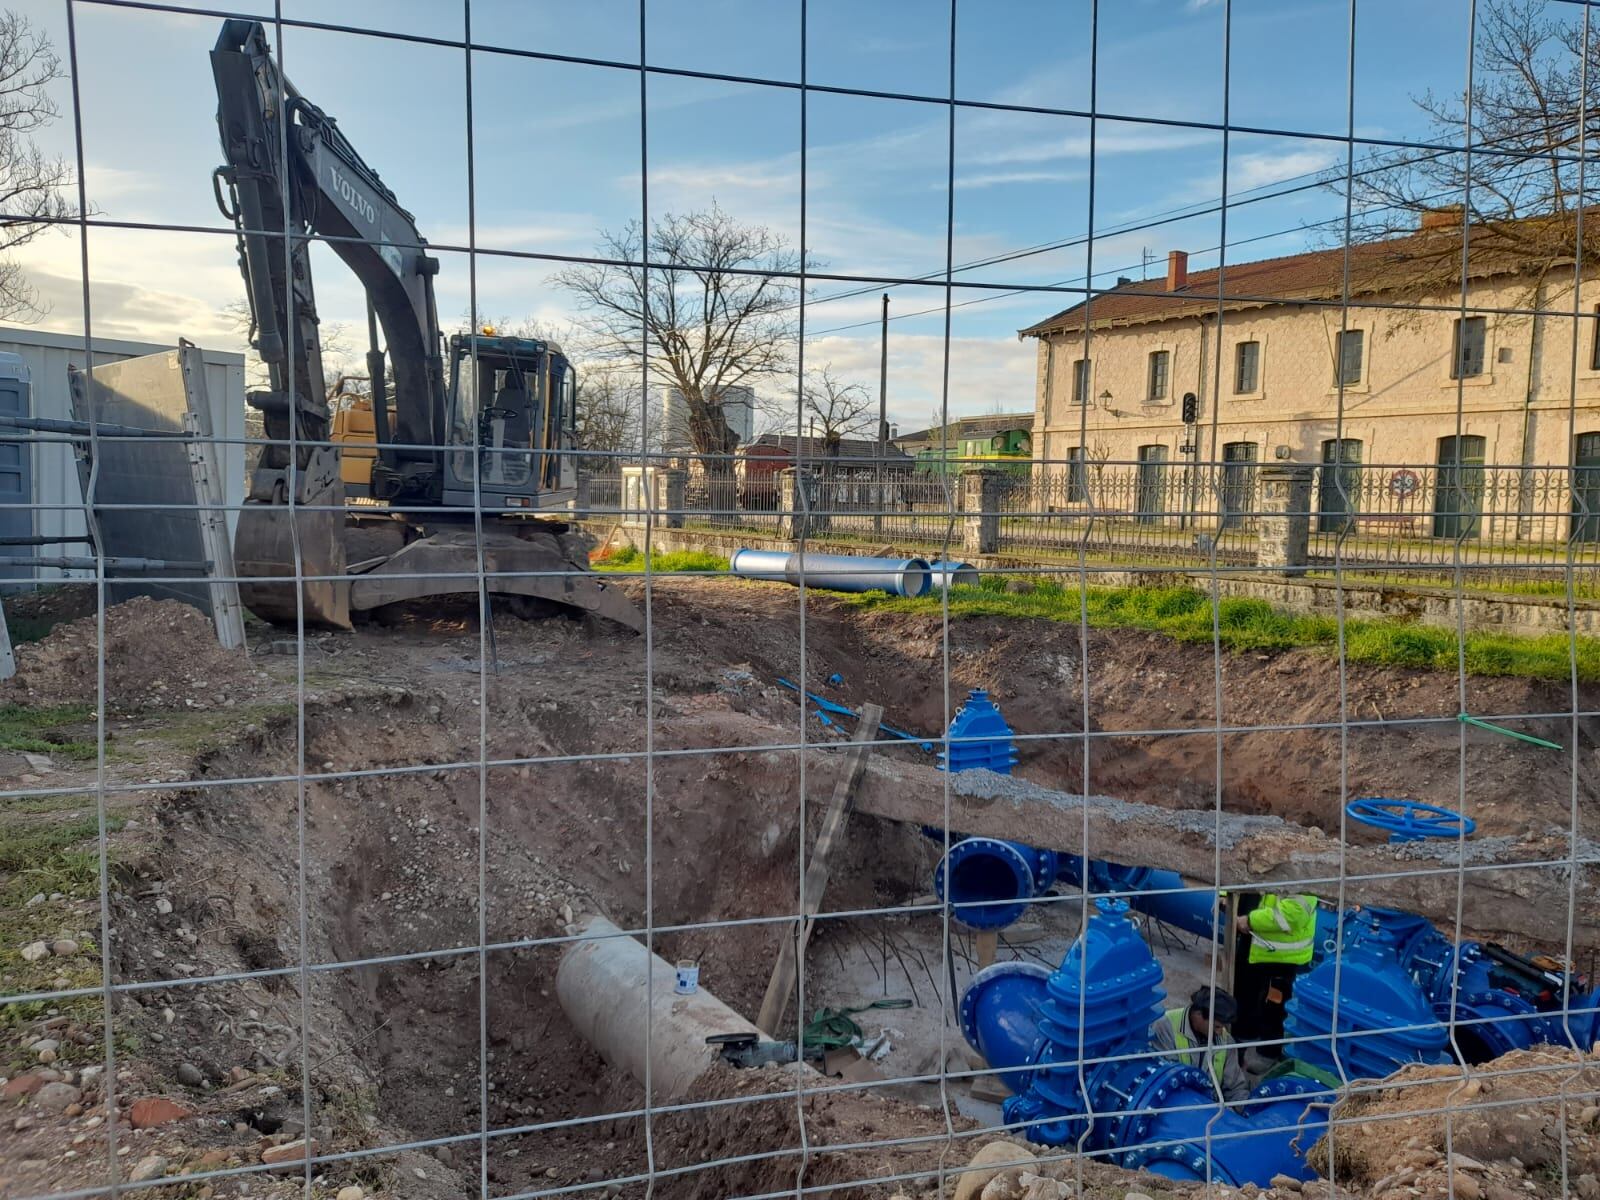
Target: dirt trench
(209,876)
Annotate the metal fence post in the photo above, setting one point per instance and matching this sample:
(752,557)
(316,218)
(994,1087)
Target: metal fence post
(1284,520)
(582,495)
(980,506)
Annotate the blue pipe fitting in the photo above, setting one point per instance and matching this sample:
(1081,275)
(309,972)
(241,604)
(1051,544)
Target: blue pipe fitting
(1384,1019)
(985,738)
(1095,1080)
(990,883)
(1101,1000)
(999,1017)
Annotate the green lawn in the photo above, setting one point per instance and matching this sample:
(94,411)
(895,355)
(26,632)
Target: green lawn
(633,560)
(1242,624)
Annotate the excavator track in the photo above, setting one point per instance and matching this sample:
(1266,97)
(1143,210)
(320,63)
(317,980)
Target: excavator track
(532,561)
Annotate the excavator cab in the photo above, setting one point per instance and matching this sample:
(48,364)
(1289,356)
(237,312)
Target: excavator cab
(512,423)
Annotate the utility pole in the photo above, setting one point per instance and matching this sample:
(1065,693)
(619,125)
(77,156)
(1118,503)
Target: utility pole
(883,414)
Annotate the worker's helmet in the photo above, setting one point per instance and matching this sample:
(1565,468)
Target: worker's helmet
(1215,1003)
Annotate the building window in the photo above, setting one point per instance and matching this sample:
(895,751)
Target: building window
(1351,347)
(1594,344)
(1160,369)
(1467,359)
(1246,368)
(1077,477)
(1080,381)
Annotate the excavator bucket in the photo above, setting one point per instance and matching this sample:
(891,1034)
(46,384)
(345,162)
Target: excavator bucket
(532,561)
(304,547)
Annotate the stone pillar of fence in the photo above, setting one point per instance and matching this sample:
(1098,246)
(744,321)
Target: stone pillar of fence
(798,515)
(1284,519)
(980,506)
(671,489)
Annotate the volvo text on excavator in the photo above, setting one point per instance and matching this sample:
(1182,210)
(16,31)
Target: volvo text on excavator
(461,464)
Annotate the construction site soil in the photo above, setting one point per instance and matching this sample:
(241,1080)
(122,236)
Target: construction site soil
(293,850)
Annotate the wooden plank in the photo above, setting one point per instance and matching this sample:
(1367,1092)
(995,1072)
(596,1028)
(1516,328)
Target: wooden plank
(776,1002)
(1512,894)
(988,945)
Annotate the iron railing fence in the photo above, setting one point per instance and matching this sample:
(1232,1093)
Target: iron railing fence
(1396,522)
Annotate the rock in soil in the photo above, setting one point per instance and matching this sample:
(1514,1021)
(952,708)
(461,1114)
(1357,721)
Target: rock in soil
(55,1097)
(151,1166)
(151,1111)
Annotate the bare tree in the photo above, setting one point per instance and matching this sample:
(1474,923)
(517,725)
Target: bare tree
(839,410)
(344,369)
(610,411)
(1534,106)
(32,184)
(715,309)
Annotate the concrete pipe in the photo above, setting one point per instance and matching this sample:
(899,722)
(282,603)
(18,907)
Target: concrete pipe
(837,572)
(613,989)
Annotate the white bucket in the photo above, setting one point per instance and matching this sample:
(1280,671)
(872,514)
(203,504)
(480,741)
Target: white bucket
(688,978)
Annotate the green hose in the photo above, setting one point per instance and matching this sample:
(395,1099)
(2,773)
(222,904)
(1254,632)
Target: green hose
(835,1028)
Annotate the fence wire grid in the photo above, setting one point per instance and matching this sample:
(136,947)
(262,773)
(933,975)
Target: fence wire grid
(538,717)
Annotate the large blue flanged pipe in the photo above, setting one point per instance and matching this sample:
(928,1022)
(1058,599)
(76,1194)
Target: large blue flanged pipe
(990,882)
(1161,894)
(837,572)
(1000,1019)
(1167,898)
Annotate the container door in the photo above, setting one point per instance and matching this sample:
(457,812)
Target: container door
(16,485)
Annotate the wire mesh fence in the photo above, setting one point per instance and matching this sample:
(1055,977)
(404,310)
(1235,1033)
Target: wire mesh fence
(568,741)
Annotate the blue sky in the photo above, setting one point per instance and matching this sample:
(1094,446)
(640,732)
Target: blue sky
(558,150)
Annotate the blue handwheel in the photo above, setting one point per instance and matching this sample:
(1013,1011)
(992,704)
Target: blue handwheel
(1410,820)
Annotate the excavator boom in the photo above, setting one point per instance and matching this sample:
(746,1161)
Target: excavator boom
(460,466)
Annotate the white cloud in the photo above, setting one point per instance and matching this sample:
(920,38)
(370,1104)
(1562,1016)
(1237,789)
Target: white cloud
(986,374)
(1106,142)
(1246,171)
(1001,178)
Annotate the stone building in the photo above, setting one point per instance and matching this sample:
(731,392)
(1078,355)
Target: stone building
(1265,363)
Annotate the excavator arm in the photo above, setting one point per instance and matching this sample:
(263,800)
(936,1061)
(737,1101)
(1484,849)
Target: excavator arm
(289,176)
(293,176)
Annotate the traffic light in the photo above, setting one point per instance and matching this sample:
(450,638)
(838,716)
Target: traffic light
(1191,408)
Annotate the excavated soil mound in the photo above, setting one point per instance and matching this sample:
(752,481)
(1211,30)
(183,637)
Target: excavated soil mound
(1507,1122)
(159,654)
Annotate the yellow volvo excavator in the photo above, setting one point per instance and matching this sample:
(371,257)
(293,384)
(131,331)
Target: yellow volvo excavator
(462,472)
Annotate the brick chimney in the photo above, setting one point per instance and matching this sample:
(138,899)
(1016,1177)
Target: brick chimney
(1445,217)
(1177,270)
